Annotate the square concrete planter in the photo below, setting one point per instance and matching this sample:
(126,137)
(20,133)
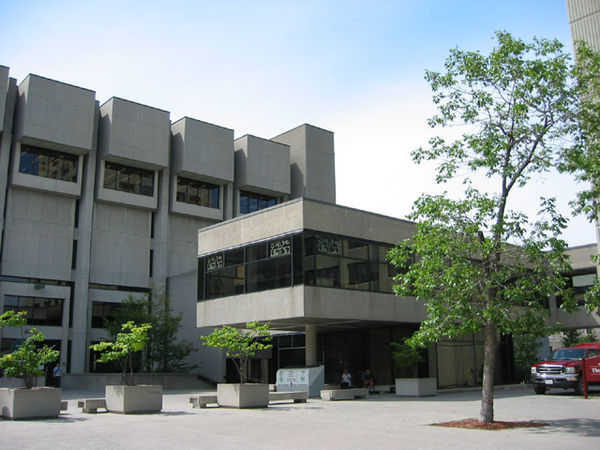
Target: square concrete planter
(35,403)
(134,399)
(248,395)
(416,387)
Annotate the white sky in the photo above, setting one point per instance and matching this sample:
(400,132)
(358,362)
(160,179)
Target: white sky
(263,67)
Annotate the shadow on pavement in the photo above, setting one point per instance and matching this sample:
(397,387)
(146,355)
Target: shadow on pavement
(580,427)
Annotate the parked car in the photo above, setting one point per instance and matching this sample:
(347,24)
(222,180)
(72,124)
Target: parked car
(564,369)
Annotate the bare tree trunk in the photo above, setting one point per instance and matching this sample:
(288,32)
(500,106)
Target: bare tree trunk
(489,368)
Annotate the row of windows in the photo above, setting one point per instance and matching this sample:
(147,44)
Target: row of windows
(48,163)
(63,166)
(315,259)
(40,310)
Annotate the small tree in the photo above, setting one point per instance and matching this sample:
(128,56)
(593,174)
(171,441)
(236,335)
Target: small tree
(164,353)
(240,345)
(28,359)
(407,357)
(132,338)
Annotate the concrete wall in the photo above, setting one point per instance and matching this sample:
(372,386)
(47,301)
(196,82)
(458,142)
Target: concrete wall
(120,251)
(131,133)
(55,115)
(200,150)
(38,235)
(262,166)
(584,18)
(312,162)
(3,94)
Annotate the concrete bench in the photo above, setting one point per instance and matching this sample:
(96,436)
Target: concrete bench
(200,401)
(296,396)
(91,405)
(343,394)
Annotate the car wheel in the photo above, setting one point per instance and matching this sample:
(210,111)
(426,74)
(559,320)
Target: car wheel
(539,389)
(579,386)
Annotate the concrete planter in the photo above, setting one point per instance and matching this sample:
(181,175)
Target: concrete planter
(249,395)
(134,399)
(35,403)
(416,387)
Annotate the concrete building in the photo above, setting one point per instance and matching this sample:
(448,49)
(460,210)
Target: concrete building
(102,202)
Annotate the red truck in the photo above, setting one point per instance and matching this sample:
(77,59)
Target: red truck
(565,369)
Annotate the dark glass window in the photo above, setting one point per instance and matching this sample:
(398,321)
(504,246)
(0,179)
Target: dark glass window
(40,310)
(48,163)
(312,258)
(269,274)
(128,179)
(74,255)
(102,311)
(197,193)
(250,202)
(223,283)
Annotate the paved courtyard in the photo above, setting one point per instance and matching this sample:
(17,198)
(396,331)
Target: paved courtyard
(381,421)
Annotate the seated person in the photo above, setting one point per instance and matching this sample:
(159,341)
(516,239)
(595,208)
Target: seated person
(368,379)
(346,380)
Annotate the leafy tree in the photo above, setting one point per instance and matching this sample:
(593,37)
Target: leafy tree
(574,337)
(240,344)
(526,347)
(481,266)
(132,338)
(26,360)
(406,357)
(164,353)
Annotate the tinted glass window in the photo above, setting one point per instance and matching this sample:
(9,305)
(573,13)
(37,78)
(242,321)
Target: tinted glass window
(197,193)
(128,179)
(250,202)
(48,163)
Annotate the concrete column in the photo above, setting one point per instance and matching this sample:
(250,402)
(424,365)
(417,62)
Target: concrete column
(310,332)
(5,144)
(81,326)
(161,232)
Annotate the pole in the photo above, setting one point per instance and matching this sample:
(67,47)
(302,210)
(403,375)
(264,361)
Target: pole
(584,374)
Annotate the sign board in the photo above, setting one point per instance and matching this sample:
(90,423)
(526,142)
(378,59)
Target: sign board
(307,379)
(592,366)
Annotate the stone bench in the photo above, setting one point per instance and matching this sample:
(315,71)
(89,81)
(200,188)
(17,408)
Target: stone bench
(200,401)
(91,405)
(296,396)
(344,394)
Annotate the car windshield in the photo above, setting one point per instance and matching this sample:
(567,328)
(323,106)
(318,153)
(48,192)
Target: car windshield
(569,353)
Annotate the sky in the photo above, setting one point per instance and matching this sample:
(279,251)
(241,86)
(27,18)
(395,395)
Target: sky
(263,67)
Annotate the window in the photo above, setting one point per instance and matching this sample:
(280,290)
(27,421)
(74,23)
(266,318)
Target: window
(40,310)
(197,193)
(128,179)
(48,163)
(250,202)
(102,311)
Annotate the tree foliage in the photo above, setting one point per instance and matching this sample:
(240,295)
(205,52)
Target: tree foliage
(132,338)
(574,337)
(526,348)
(481,266)
(28,359)
(240,345)
(164,352)
(406,357)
